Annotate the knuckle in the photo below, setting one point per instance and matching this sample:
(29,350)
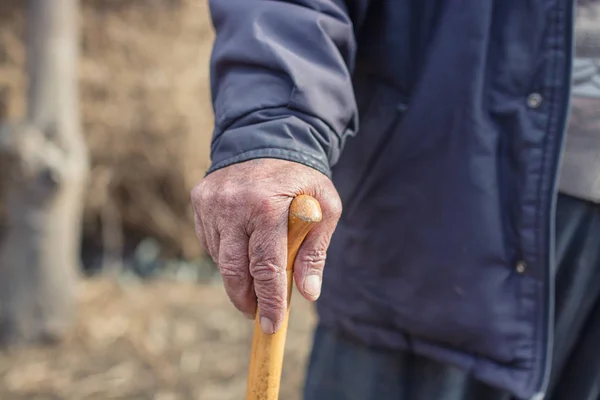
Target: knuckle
(200,195)
(259,201)
(314,257)
(266,271)
(195,194)
(335,207)
(229,194)
(236,283)
(235,271)
(271,293)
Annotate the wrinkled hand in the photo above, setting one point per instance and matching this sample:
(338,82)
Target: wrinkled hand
(241,215)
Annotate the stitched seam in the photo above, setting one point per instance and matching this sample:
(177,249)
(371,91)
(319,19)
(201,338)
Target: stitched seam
(548,146)
(268,152)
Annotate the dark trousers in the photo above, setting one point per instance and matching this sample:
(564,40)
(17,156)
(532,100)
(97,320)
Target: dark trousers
(341,369)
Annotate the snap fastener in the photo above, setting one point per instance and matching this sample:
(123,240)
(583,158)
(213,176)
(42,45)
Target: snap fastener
(401,107)
(521,267)
(534,100)
(539,396)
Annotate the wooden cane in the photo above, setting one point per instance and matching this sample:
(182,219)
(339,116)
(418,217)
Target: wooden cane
(266,360)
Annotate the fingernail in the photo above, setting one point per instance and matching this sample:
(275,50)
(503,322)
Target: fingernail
(267,325)
(249,316)
(312,285)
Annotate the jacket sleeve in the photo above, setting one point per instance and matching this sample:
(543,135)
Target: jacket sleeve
(281,81)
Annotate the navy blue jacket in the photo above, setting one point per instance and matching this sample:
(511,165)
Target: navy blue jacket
(441,123)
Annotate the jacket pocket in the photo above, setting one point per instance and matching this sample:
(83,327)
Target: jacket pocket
(380,111)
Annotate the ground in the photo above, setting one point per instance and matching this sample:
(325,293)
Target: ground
(147,118)
(162,340)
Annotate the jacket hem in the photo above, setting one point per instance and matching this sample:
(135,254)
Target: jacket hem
(499,375)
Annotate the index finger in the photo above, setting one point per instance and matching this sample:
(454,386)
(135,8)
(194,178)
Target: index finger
(268,256)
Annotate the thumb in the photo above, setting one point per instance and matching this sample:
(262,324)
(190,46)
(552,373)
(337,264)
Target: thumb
(310,261)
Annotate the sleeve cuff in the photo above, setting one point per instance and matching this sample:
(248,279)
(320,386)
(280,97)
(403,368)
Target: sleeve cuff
(276,133)
(281,154)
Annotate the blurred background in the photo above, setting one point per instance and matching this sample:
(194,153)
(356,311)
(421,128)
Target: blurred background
(100,149)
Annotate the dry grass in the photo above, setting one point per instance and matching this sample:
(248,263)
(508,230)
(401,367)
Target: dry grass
(147,119)
(159,341)
(146,110)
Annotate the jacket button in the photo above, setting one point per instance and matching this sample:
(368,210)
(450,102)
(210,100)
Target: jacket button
(534,100)
(521,267)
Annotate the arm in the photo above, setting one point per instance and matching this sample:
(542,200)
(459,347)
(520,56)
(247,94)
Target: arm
(281,80)
(283,103)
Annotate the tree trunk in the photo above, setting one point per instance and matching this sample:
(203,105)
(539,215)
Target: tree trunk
(44,168)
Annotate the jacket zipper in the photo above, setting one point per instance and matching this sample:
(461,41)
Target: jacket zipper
(548,320)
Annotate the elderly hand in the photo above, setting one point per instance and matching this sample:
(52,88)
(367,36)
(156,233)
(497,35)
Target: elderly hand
(241,215)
